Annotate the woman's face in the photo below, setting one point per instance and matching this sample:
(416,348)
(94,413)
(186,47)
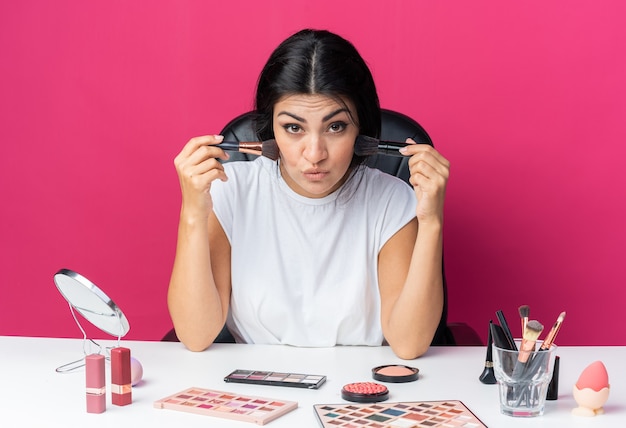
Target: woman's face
(315,135)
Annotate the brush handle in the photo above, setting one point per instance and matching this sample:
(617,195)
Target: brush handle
(229,145)
(390,148)
(369,146)
(487,376)
(499,338)
(507,331)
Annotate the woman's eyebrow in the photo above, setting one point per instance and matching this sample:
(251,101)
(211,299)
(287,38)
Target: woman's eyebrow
(335,113)
(324,119)
(296,117)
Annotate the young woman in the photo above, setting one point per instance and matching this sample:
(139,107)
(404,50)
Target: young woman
(314,249)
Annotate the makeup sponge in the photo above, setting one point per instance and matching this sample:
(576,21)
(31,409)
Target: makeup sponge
(136,371)
(594,377)
(592,390)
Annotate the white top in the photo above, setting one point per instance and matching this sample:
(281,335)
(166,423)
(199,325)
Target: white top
(305,271)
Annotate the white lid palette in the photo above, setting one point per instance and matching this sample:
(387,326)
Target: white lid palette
(420,414)
(259,410)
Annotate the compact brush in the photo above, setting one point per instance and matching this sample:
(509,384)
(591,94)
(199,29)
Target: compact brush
(368,146)
(267,148)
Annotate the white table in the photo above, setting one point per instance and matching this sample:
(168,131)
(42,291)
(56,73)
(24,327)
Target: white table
(33,394)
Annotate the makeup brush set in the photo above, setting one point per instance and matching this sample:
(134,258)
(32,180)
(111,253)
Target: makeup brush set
(528,360)
(363,146)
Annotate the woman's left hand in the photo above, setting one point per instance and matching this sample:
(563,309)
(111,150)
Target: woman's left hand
(429,172)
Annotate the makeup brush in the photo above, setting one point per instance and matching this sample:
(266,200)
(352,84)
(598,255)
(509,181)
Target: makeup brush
(487,376)
(549,340)
(524,311)
(506,329)
(368,146)
(529,340)
(267,148)
(499,338)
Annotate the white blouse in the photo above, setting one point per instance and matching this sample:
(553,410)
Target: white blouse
(305,271)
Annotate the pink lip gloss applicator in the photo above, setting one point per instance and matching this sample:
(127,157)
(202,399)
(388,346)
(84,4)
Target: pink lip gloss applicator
(121,389)
(96,389)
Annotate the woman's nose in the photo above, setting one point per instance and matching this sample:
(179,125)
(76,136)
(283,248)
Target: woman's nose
(315,149)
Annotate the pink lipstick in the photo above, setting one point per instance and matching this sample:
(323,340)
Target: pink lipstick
(95,386)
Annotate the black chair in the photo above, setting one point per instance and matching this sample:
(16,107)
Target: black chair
(394,127)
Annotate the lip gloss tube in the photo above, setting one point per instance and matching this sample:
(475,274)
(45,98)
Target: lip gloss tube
(121,389)
(95,383)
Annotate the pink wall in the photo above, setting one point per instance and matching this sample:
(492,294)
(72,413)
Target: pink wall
(527,100)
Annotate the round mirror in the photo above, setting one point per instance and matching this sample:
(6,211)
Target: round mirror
(91,302)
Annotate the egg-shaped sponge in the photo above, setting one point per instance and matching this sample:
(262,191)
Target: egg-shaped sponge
(594,376)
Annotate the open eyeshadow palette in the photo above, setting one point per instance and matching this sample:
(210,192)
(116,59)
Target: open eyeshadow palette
(226,405)
(420,414)
(296,380)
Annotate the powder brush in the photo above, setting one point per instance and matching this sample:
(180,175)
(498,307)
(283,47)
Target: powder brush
(368,146)
(529,340)
(267,148)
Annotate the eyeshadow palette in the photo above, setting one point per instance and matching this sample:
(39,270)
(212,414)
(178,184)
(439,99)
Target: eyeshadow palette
(420,414)
(227,405)
(295,380)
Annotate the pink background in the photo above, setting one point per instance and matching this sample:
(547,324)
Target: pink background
(526,99)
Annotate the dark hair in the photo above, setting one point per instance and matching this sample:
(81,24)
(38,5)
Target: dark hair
(317,62)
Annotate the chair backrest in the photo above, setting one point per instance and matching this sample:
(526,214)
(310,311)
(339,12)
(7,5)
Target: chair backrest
(394,127)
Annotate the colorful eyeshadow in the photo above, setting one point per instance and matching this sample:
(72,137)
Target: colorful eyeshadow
(393,412)
(377,418)
(297,380)
(416,416)
(398,415)
(228,406)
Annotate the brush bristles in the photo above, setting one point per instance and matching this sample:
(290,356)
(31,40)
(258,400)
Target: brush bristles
(524,311)
(269,149)
(365,146)
(561,318)
(533,330)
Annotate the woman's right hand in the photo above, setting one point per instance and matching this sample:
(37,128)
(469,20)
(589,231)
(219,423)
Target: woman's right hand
(197,166)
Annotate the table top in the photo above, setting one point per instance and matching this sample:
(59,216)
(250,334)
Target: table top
(34,394)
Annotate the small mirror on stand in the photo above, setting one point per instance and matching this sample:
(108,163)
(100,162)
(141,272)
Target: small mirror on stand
(84,297)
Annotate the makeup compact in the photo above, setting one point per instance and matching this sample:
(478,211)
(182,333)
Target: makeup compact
(395,373)
(365,392)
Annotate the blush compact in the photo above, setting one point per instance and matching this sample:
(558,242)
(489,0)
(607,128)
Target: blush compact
(364,392)
(395,373)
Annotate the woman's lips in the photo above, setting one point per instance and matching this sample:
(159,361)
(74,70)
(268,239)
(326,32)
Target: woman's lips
(315,174)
